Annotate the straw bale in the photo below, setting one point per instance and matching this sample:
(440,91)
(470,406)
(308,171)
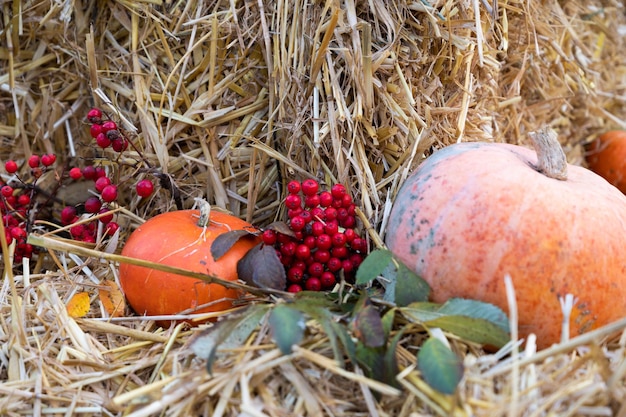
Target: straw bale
(227,100)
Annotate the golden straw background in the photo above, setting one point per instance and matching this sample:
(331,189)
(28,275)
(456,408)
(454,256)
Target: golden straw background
(230,99)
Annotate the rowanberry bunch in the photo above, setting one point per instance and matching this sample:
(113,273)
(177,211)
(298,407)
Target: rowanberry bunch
(324,241)
(16,197)
(16,202)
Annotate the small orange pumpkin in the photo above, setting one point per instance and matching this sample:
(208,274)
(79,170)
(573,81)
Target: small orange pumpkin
(606,156)
(176,239)
(474,212)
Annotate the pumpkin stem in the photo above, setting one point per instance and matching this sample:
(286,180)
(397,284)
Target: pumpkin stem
(205,212)
(551,159)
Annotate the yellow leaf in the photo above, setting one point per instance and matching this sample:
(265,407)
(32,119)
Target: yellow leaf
(78,306)
(112,299)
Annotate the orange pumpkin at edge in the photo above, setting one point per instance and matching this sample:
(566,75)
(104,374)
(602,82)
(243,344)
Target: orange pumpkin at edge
(474,212)
(175,239)
(606,156)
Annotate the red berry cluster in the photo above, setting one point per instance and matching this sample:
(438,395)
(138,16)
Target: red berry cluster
(86,231)
(324,241)
(107,134)
(15,200)
(16,203)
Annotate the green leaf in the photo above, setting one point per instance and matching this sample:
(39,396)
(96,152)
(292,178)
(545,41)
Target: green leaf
(287,326)
(335,331)
(368,326)
(471,329)
(372,266)
(388,319)
(410,287)
(471,320)
(228,333)
(380,363)
(476,309)
(222,243)
(440,367)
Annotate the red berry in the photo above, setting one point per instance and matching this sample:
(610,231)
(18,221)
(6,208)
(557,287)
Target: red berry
(342,213)
(348,223)
(94,115)
(89,172)
(339,239)
(321,256)
(312,201)
(310,187)
(294,288)
(23,199)
(315,269)
(334,264)
(302,251)
(338,191)
(331,227)
(324,242)
(9,237)
(313,284)
(103,141)
(48,160)
(293,201)
(359,244)
(286,260)
(293,187)
(347,265)
(331,213)
(95,130)
(346,200)
(269,237)
(7,191)
(297,223)
(34,161)
(111,228)
(318,213)
(11,166)
(93,205)
(100,172)
(68,215)
(288,249)
(356,259)
(106,218)
(328,279)
(340,252)
(299,235)
(109,193)
(144,188)
(77,231)
(350,235)
(101,183)
(326,199)
(295,274)
(306,216)
(109,125)
(310,241)
(291,213)
(119,144)
(75,173)
(317,228)
(283,239)
(18,233)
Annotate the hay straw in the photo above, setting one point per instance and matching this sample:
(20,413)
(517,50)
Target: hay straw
(228,101)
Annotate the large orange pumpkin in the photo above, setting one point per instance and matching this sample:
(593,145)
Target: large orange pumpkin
(606,156)
(176,239)
(474,212)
